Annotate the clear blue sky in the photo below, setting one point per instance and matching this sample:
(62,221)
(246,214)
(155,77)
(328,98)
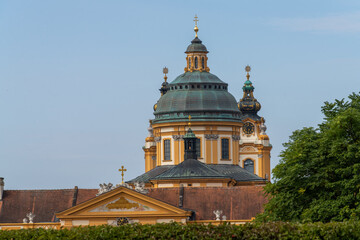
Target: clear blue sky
(78,79)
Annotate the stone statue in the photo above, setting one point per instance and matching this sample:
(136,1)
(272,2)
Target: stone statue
(217,214)
(140,187)
(104,188)
(263,127)
(25,220)
(30,216)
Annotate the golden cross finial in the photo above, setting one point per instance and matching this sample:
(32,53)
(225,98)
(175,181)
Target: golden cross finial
(189,120)
(196,29)
(196,20)
(122,170)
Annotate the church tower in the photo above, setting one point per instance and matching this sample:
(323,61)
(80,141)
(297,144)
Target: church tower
(227,133)
(254,143)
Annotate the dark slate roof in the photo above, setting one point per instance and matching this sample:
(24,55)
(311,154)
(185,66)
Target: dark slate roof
(190,169)
(43,203)
(196,46)
(236,172)
(237,203)
(151,174)
(224,170)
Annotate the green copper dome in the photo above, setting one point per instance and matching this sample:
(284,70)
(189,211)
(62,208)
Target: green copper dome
(199,94)
(196,46)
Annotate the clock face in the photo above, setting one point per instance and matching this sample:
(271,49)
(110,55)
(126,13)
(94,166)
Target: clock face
(248,128)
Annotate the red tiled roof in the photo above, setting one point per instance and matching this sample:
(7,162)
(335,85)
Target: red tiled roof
(43,203)
(237,203)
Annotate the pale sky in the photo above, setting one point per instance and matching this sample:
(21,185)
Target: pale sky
(78,79)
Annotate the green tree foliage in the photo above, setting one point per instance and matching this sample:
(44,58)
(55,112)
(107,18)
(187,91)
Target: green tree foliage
(318,177)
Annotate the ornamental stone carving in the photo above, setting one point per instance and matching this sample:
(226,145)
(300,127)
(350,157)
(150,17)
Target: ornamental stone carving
(248,149)
(140,187)
(263,127)
(217,214)
(178,137)
(236,137)
(211,136)
(30,216)
(104,188)
(157,139)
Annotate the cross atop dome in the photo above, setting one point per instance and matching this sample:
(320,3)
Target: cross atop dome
(196,29)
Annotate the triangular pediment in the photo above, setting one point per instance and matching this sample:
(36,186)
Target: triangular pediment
(122,202)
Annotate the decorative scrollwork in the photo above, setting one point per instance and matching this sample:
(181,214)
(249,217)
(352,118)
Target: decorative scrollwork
(211,136)
(157,139)
(236,137)
(178,137)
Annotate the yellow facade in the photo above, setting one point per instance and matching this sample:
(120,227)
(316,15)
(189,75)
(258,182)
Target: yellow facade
(242,146)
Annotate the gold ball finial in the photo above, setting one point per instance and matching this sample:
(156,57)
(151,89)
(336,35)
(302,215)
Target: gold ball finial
(196,29)
(248,69)
(165,71)
(189,123)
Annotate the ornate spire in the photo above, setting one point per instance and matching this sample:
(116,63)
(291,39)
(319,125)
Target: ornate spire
(164,86)
(248,104)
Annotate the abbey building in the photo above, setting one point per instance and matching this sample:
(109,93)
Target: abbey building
(229,133)
(207,159)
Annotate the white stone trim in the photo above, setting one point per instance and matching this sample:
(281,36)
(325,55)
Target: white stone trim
(80,222)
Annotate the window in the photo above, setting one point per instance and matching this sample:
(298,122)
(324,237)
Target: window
(198,147)
(189,62)
(249,165)
(224,148)
(203,63)
(196,62)
(167,149)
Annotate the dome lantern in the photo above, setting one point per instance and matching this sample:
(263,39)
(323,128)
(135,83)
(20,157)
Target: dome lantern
(196,59)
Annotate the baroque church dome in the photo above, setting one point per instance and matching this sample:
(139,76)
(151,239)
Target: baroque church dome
(196,92)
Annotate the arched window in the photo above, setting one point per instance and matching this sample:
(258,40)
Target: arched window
(249,165)
(225,148)
(196,62)
(189,62)
(167,149)
(203,63)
